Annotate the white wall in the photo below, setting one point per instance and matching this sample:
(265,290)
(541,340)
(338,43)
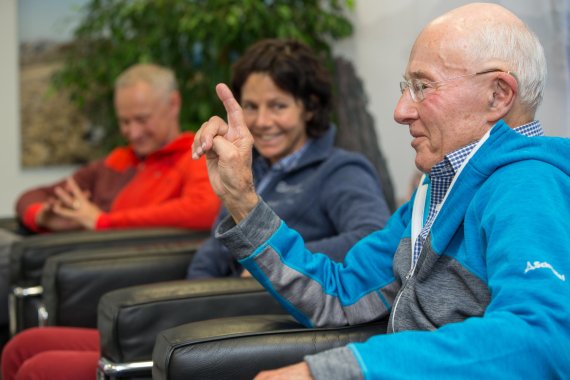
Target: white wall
(384,33)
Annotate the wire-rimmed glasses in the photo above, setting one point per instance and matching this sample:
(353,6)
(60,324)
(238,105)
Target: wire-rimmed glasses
(418,86)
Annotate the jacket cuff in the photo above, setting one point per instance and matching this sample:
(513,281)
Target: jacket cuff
(29,218)
(254,230)
(103,222)
(338,363)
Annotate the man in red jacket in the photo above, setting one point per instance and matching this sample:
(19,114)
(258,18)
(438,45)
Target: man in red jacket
(152,182)
(149,183)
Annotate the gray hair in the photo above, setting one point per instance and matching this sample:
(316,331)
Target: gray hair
(158,77)
(521,51)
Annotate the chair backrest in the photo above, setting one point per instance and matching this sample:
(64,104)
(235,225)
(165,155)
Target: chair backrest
(74,282)
(129,319)
(28,256)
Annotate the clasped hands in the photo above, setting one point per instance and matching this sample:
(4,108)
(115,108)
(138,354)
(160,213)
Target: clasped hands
(70,209)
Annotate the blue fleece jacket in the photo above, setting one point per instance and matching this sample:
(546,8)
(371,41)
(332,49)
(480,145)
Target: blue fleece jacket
(488,298)
(332,197)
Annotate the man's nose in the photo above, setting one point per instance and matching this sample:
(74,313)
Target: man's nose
(406,109)
(132,131)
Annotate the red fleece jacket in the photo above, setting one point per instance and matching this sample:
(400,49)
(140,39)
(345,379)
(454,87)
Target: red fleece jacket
(166,189)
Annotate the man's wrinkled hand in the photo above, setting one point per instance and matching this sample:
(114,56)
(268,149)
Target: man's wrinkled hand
(299,371)
(228,150)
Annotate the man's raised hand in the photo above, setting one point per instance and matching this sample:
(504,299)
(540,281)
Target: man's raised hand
(228,151)
(232,131)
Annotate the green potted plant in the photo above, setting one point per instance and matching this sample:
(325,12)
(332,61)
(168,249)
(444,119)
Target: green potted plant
(199,39)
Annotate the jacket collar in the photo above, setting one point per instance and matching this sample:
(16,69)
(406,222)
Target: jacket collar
(319,151)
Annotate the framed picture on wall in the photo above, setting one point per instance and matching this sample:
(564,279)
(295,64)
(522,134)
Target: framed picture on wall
(53,130)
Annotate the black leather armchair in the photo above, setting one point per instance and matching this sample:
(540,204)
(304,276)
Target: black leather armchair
(129,319)
(10,231)
(74,282)
(240,347)
(28,256)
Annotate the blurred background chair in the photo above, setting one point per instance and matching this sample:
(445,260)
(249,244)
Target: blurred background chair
(74,282)
(29,254)
(10,231)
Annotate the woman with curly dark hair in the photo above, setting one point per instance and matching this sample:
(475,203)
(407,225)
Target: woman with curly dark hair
(332,197)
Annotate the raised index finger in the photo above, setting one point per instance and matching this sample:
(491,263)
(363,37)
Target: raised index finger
(236,120)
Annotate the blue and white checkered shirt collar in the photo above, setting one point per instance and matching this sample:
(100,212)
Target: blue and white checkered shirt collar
(453,161)
(441,175)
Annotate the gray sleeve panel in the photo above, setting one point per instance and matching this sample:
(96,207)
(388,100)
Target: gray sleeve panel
(254,230)
(304,295)
(338,363)
(309,298)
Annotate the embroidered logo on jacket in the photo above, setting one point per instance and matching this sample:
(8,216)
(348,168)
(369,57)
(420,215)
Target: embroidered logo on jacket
(537,265)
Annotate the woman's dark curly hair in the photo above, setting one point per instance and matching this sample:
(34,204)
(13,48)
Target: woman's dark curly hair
(295,69)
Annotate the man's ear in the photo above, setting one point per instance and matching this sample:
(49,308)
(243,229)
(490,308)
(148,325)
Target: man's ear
(504,92)
(175,101)
(175,98)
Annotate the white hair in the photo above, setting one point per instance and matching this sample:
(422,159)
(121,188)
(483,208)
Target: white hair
(158,77)
(520,50)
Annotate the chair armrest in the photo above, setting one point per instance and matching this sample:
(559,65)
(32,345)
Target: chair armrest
(28,255)
(13,224)
(74,282)
(129,319)
(241,347)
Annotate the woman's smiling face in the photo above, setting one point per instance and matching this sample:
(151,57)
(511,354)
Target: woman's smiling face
(275,118)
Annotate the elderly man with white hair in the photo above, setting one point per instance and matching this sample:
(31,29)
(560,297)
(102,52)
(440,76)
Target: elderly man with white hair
(472,270)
